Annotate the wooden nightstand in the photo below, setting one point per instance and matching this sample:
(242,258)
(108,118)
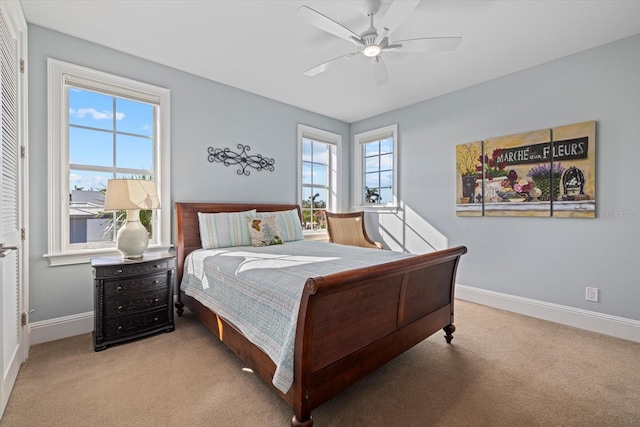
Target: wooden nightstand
(132,297)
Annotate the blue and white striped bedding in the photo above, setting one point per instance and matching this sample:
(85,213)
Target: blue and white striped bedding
(258,289)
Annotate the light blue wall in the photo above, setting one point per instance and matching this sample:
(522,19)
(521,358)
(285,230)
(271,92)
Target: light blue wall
(546,259)
(203,114)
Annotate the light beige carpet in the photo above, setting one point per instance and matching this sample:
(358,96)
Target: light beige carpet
(502,369)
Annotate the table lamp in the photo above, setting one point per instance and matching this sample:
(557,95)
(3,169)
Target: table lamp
(131,195)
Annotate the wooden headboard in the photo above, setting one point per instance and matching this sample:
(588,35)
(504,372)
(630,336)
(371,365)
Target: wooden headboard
(188,229)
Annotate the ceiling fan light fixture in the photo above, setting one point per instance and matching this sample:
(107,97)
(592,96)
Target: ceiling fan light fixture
(371,50)
(372,43)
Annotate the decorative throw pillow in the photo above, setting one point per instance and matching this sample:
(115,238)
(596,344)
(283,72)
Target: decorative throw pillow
(221,230)
(288,223)
(264,231)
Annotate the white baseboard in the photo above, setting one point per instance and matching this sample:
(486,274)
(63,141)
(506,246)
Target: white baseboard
(63,327)
(60,327)
(619,327)
(629,329)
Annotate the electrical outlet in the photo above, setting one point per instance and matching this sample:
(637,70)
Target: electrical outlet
(592,294)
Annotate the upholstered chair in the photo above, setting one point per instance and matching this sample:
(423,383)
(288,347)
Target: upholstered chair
(348,229)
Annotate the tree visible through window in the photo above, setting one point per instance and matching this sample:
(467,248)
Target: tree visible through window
(376,169)
(318,176)
(315,183)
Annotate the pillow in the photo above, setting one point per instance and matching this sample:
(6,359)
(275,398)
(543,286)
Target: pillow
(263,231)
(221,230)
(288,223)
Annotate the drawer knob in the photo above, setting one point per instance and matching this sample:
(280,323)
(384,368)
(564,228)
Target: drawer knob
(118,288)
(120,327)
(119,307)
(119,271)
(156,266)
(155,282)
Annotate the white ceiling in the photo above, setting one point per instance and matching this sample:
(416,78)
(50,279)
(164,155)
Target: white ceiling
(262,47)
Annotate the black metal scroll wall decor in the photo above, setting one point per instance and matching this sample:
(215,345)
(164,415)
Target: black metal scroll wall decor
(242,159)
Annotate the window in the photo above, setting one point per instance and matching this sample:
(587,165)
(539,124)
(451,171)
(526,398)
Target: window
(317,177)
(101,127)
(376,160)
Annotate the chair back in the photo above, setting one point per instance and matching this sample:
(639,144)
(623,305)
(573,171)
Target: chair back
(348,229)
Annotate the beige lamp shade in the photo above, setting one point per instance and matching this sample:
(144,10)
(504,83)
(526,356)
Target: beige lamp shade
(127,194)
(131,195)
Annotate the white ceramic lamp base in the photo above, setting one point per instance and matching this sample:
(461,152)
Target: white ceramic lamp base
(133,237)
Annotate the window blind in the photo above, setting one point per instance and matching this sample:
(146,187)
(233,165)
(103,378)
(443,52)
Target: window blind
(377,137)
(318,138)
(92,85)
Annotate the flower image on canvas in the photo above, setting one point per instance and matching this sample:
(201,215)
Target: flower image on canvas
(545,176)
(493,167)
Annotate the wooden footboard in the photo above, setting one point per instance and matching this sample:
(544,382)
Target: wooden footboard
(349,323)
(353,322)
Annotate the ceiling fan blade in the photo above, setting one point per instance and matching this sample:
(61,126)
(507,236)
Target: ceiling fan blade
(429,44)
(325,65)
(392,48)
(327,24)
(382,35)
(398,11)
(380,75)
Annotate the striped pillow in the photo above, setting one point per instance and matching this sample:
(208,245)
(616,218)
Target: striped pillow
(288,224)
(221,230)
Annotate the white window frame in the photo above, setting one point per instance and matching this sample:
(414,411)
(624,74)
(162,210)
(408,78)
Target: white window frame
(358,167)
(60,251)
(334,141)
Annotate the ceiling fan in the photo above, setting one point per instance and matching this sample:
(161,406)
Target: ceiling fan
(372,43)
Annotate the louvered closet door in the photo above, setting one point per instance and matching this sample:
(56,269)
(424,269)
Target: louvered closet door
(10,226)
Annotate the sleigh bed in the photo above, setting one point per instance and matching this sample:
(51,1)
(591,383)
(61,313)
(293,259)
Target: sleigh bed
(349,323)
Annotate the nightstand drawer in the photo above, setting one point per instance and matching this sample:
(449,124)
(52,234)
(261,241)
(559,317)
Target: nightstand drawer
(129,325)
(135,285)
(135,303)
(133,269)
(133,298)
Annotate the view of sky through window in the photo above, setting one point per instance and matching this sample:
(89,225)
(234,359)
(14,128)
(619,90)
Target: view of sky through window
(378,171)
(109,137)
(315,183)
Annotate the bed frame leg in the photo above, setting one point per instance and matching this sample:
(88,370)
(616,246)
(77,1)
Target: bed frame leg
(179,308)
(448,332)
(295,422)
